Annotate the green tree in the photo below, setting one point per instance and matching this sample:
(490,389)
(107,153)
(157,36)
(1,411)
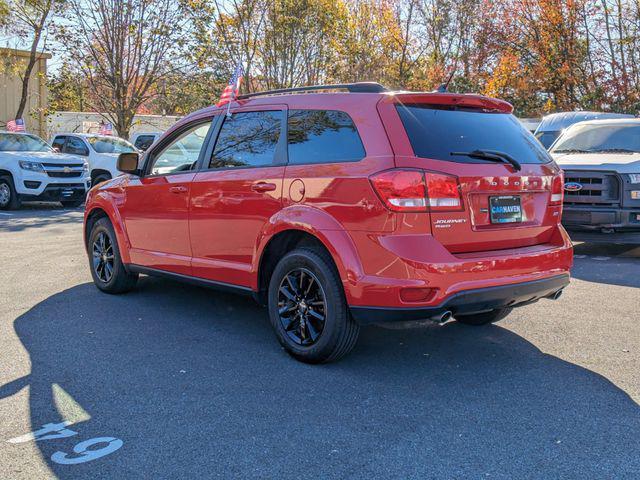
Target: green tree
(67,90)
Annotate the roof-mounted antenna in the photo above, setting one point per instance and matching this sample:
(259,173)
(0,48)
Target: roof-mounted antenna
(444,86)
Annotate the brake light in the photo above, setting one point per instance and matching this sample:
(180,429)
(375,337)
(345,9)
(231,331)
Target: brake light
(557,189)
(417,191)
(401,190)
(443,192)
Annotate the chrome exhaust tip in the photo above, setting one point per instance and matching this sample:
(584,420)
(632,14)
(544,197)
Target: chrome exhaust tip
(556,295)
(445,316)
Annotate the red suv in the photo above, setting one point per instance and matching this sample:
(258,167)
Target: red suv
(341,208)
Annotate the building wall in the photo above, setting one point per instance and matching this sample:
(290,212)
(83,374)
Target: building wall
(89,122)
(12,62)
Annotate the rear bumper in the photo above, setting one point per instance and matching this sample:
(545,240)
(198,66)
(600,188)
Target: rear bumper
(597,218)
(469,301)
(399,265)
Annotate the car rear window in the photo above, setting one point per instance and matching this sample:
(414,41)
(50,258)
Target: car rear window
(323,136)
(436,132)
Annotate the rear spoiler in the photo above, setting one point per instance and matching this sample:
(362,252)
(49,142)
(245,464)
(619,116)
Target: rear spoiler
(465,100)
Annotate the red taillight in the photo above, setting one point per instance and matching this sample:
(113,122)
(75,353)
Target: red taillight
(417,191)
(401,190)
(557,189)
(443,192)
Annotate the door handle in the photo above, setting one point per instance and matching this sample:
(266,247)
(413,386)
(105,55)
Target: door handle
(178,189)
(263,187)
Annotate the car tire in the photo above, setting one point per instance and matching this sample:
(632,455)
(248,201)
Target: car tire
(314,281)
(105,262)
(8,196)
(100,179)
(485,317)
(72,203)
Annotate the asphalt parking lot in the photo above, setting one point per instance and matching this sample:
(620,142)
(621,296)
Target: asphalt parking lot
(176,381)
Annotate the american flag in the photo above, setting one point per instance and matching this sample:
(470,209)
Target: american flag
(231,91)
(16,125)
(106,129)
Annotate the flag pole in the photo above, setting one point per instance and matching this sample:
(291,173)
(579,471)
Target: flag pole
(229,107)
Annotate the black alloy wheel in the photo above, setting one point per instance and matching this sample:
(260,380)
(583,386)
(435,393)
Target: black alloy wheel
(308,309)
(103,258)
(109,273)
(302,306)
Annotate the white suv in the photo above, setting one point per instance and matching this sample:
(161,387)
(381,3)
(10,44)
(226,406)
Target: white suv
(31,170)
(101,152)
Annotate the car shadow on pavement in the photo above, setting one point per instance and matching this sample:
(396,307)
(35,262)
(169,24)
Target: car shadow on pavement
(196,386)
(620,271)
(20,220)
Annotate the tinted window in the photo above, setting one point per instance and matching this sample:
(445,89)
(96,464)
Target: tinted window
(600,138)
(547,138)
(58,142)
(182,153)
(16,142)
(110,145)
(144,141)
(435,133)
(247,140)
(75,146)
(323,136)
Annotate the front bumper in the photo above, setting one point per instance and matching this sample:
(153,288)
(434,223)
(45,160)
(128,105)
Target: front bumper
(469,301)
(58,192)
(598,218)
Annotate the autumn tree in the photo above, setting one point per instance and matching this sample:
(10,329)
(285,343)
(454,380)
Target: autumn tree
(298,42)
(367,43)
(28,20)
(226,33)
(4,13)
(124,49)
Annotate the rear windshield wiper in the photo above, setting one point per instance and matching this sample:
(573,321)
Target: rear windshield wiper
(492,156)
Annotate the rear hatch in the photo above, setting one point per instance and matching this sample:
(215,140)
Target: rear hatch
(509,190)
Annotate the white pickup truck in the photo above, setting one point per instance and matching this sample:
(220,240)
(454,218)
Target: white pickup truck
(100,151)
(601,163)
(31,170)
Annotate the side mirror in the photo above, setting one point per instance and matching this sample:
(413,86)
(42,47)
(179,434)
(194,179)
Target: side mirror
(128,163)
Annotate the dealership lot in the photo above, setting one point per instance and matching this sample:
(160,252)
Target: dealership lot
(178,381)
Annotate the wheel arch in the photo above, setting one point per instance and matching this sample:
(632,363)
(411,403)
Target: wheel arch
(304,226)
(105,210)
(96,172)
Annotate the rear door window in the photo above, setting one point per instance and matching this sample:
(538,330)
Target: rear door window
(323,136)
(437,132)
(75,146)
(143,142)
(248,139)
(58,143)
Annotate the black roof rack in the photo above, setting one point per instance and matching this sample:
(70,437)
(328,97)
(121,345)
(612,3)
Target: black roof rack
(359,87)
